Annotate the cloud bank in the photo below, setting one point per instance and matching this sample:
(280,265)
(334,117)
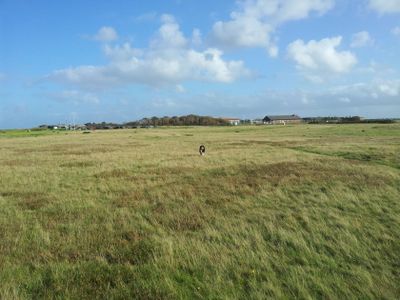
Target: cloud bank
(321,57)
(361,39)
(106,34)
(254,22)
(374,99)
(171,58)
(385,6)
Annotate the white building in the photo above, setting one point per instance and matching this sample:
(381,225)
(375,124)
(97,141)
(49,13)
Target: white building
(232,121)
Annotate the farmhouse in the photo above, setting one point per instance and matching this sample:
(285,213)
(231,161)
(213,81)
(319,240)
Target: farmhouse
(257,121)
(282,120)
(232,121)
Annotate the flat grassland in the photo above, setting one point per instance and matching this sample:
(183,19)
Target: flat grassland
(308,211)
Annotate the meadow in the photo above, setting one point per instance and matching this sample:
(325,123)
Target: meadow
(307,211)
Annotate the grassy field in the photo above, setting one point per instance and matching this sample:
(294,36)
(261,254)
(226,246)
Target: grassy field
(307,211)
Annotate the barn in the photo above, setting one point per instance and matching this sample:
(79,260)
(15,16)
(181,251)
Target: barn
(282,119)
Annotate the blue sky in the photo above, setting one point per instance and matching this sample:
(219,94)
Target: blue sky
(93,61)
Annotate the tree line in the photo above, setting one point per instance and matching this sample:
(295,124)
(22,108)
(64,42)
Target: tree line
(345,120)
(189,120)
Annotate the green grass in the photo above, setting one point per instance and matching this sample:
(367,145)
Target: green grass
(309,211)
(28,133)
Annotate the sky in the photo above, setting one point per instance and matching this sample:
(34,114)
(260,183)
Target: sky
(116,61)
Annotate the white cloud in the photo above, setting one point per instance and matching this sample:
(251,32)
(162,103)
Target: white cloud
(390,88)
(169,34)
(255,21)
(378,70)
(305,99)
(75,97)
(345,99)
(385,6)
(180,89)
(361,39)
(168,60)
(146,17)
(378,93)
(121,52)
(317,58)
(396,31)
(196,37)
(163,103)
(106,34)
(243,32)
(273,51)
(380,89)
(366,99)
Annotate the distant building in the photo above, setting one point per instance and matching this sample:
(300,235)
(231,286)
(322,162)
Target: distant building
(257,121)
(80,127)
(232,121)
(65,127)
(62,127)
(282,119)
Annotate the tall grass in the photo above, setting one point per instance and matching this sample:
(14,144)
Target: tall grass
(269,212)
